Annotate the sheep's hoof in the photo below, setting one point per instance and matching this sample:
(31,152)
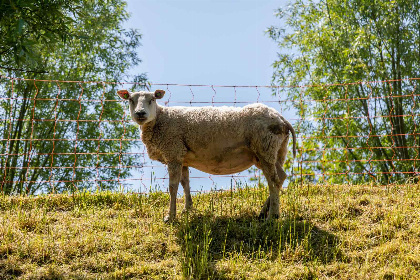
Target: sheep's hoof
(273,216)
(187,210)
(264,211)
(169,219)
(262,216)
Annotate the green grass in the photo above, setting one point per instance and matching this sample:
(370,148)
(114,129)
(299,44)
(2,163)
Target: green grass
(325,232)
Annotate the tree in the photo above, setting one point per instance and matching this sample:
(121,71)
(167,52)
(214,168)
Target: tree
(362,130)
(42,112)
(26,23)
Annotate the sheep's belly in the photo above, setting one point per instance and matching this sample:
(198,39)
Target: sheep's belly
(221,162)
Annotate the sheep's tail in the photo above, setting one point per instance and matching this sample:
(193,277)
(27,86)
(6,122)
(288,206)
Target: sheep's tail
(291,129)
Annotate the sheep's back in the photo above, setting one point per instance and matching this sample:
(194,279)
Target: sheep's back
(212,123)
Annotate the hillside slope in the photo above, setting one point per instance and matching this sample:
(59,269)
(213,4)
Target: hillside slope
(327,232)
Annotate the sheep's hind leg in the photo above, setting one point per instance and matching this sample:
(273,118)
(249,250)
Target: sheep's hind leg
(274,184)
(175,171)
(265,208)
(282,177)
(185,182)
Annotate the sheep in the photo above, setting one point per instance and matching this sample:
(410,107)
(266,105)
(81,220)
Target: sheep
(215,140)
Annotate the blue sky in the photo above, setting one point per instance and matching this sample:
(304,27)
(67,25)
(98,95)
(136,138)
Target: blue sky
(205,42)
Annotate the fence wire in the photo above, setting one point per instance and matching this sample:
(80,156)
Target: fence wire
(66,135)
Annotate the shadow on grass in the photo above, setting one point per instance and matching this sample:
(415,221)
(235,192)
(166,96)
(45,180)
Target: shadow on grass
(204,239)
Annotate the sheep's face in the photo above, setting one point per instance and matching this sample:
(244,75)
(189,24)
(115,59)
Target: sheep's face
(142,104)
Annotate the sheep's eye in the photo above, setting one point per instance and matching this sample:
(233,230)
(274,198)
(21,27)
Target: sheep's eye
(150,101)
(131,101)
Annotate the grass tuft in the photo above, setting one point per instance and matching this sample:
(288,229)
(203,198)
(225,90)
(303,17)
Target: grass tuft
(324,231)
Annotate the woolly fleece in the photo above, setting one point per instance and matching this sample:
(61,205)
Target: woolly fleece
(217,140)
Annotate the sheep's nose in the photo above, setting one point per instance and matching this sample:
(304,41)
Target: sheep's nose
(141,114)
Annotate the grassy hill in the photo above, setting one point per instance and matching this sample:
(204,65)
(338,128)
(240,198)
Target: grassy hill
(326,232)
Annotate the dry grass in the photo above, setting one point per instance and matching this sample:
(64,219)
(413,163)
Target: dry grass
(326,232)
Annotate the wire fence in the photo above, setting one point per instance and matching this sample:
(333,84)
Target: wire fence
(65,135)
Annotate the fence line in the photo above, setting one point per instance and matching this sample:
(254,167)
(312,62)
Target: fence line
(205,85)
(60,135)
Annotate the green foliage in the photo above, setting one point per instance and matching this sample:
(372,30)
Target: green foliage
(36,111)
(364,131)
(27,23)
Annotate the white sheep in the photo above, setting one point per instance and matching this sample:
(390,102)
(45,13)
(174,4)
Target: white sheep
(215,140)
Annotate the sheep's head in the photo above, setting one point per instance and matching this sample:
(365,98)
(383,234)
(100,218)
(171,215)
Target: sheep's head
(142,104)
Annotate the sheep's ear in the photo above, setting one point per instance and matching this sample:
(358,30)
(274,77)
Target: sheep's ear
(159,93)
(124,94)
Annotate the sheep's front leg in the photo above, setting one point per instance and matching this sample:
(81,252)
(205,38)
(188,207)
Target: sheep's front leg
(175,171)
(185,182)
